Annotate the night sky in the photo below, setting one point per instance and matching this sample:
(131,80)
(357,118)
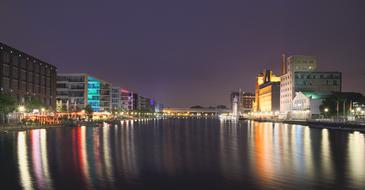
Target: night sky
(188,52)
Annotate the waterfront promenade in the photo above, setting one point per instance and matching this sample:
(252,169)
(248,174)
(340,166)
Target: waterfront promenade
(350,126)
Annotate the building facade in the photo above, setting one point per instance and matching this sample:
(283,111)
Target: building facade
(317,81)
(26,77)
(126,99)
(116,98)
(245,101)
(135,101)
(307,105)
(145,104)
(291,65)
(300,75)
(77,90)
(267,93)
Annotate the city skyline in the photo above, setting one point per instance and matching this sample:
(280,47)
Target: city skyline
(188,53)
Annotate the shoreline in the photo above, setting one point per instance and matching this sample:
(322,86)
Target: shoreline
(11,128)
(23,127)
(349,127)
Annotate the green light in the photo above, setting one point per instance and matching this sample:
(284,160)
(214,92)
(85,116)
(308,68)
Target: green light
(93,93)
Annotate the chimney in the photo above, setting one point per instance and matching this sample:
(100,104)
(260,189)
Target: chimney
(284,68)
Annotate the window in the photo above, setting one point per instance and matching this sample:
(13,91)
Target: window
(23,64)
(61,85)
(36,67)
(5,56)
(14,73)
(48,82)
(6,70)
(23,75)
(43,81)
(36,89)
(30,77)
(30,88)
(36,79)
(6,84)
(42,70)
(30,66)
(14,60)
(22,86)
(14,84)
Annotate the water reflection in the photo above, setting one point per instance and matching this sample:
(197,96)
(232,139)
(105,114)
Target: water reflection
(356,151)
(40,159)
(187,152)
(23,164)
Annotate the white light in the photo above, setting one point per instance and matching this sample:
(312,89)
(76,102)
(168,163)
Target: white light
(21,109)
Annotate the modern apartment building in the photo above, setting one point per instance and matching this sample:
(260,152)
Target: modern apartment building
(299,74)
(26,77)
(116,98)
(123,99)
(126,99)
(146,104)
(76,90)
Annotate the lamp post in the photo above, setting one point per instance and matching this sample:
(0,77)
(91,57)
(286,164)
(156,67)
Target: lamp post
(21,109)
(326,111)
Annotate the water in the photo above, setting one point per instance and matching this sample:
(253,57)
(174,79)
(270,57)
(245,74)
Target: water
(183,154)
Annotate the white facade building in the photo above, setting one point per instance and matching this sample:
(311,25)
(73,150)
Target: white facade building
(77,90)
(306,105)
(299,74)
(287,88)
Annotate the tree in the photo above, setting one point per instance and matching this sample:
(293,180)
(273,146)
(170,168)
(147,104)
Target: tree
(330,103)
(222,107)
(89,111)
(34,104)
(7,105)
(196,107)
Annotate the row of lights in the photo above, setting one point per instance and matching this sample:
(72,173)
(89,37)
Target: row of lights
(358,110)
(20,55)
(22,109)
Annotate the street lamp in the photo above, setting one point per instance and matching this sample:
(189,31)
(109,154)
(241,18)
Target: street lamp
(326,111)
(21,109)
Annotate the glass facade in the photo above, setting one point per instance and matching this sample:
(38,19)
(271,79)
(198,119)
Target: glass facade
(93,92)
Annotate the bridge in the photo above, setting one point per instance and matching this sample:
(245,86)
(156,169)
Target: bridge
(194,112)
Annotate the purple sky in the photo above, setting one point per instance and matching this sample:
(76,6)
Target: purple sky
(188,52)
